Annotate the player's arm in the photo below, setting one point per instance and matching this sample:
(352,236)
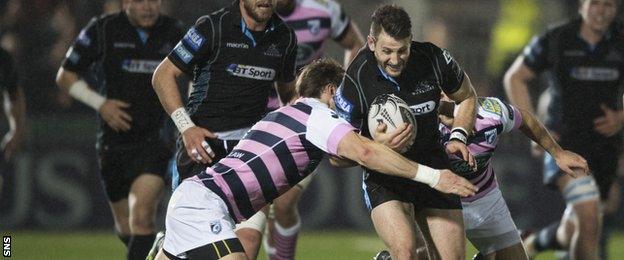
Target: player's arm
(535,130)
(85,51)
(466,99)
(15,110)
(285,83)
(516,83)
(351,42)
(380,158)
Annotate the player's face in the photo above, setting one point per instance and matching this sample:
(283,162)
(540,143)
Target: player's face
(259,10)
(143,13)
(391,54)
(598,14)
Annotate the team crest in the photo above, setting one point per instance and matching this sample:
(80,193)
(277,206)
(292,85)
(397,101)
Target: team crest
(491,106)
(490,136)
(215,226)
(314,26)
(273,51)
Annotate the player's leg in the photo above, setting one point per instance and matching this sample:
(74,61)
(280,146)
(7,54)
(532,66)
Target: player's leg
(113,178)
(199,226)
(249,232)
(285,223)
(394,222)
(145,194)
(515,252)
(446,227)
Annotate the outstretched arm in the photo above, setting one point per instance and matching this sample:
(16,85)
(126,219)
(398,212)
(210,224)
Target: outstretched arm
(466,98)
(566,160)
(380,158)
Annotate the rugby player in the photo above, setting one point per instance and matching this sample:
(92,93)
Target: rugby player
(416,72)
(277,153)
(235,56)
(585,58)
(126,47)
(314,23)
(489,225)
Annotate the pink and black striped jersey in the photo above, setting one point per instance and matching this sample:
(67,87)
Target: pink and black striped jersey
(315,21)
(278,152)
(494,118)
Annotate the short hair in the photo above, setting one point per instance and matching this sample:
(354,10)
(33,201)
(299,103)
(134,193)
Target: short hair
(617,2)
(317,75)
(394,21)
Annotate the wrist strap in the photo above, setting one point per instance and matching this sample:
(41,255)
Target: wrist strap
(81,91)
(427,175)
(181,119)
(459,134)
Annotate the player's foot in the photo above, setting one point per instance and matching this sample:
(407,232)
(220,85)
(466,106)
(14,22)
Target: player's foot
(383,255)
(158,242)
(528,240)
(478,256)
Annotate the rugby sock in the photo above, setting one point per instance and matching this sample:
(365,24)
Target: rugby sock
(139,246)
(547,238)
(124,239)
(285,241)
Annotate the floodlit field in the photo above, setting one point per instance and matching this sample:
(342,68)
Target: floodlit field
(29,245)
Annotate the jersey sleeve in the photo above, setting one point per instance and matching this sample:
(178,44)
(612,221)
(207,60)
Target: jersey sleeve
(86,49)
(449,72)
(339,20)
(195,47)
(8,79)
(326,129)
(288,72)
(349,104)
(536,53)
(510,117)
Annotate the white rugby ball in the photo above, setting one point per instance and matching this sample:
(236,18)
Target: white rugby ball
(393,111)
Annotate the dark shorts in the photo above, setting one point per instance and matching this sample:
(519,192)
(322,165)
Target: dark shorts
(120,165)
(603,168)
(186,167)
(380,188)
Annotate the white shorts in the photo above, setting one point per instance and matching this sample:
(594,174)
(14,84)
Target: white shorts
(196,216)
(488,223)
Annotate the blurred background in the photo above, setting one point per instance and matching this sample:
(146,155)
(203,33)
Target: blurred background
(52,186)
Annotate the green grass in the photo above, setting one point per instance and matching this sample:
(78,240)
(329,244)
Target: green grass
(29,245)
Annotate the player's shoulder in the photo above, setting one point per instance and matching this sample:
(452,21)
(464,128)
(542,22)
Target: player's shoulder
(360,65)
(493,107)
(106,18)
(562,28)
(418,50)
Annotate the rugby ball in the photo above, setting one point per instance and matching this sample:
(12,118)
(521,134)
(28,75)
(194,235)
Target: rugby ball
(393,111)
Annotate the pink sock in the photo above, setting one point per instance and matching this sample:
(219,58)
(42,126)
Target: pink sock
(285,241)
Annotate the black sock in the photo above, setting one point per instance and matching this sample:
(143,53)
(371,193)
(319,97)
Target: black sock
(139,246)
(124,238)
(547,238)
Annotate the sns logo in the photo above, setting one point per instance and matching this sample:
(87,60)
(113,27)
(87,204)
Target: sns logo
(423,108)
(251,72)
(6,246)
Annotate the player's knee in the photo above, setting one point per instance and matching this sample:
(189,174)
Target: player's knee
(142,220)
(582,193)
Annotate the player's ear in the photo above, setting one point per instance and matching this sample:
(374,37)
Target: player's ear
(371,42)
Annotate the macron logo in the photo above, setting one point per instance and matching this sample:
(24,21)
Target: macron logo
(236,45)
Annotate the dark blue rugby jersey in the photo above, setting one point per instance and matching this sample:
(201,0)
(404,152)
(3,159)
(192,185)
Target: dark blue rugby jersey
(233,68)
(429,70)
(8,73)
(581,78)
(127,63)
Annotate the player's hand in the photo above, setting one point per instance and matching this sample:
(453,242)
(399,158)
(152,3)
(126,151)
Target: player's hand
(452,183)
(10,144)
(397,140)
(196,146)
(609,124)
(458,148)
(571,163)
(113,113)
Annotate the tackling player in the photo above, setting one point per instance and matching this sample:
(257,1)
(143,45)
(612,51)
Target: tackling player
(126,47)
(277,153)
